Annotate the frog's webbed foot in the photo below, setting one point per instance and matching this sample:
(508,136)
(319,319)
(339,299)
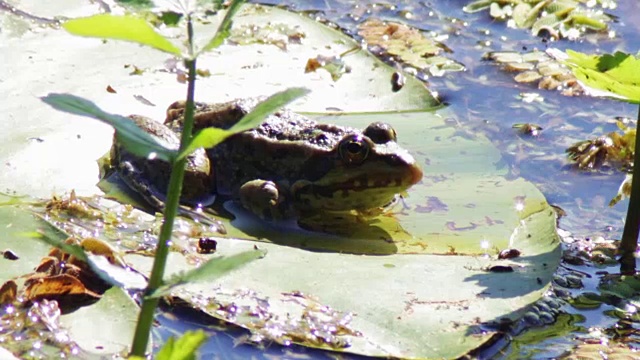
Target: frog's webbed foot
(265,199)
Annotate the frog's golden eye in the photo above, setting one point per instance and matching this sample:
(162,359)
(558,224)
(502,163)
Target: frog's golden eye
(354,149)
(380,133)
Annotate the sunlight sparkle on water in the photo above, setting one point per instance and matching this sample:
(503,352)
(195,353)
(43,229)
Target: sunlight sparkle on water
(630,309)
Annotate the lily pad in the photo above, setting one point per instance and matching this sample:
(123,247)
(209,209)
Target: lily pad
(47,332)
(436,276)
(419,283)
(44,145)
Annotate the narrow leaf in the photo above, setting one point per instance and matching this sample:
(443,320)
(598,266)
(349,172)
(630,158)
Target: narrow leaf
(205,138)
(70,249)
(127,28)
(135,140)
(268,107)
(184,348)
(225,26)
(477,6)
(208,138)
(211,269)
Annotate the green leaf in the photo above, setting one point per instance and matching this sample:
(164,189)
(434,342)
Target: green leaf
(477,6)
(617,75)
(126,27)
(208,138)
(133,138)
(621,66)
(589,22)
(609,84)
(71,249)
(212,269)
(268,107)
(224,29)
(182,349)
(170,18)
(205,138)
(576,58)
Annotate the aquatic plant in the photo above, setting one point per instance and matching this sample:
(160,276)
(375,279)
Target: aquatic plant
(555,19)
(617,76)
(137,141)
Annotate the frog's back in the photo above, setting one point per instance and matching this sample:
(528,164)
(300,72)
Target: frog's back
(286,147)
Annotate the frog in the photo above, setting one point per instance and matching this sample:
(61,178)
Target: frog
(288,167)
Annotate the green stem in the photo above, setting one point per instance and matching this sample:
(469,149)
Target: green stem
(149,305)
(629,242)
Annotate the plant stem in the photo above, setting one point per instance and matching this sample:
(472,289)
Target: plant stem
(629,242)
(149,305)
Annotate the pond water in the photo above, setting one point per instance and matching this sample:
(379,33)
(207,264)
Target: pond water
(487,99)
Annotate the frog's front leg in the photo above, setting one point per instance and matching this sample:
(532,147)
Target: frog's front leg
(150,177)
(266,199)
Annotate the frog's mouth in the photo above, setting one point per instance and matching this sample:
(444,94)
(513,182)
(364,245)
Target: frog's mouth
(360,190)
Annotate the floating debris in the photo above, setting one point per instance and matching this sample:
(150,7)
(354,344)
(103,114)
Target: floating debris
(397,81)
(538,66)
(279,35)
(334,65)
(509,254)
(616,147)
(568,19)
(528,129)
(407,45)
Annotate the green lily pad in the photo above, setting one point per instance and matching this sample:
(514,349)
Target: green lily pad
(47,332)
(44,146)
(435,277)
(417,284)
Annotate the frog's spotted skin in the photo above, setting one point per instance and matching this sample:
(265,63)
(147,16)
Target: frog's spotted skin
(289,166)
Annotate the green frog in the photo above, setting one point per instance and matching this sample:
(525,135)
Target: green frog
(288,167)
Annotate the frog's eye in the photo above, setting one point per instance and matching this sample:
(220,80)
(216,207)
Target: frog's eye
(354,149)
(380,133)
